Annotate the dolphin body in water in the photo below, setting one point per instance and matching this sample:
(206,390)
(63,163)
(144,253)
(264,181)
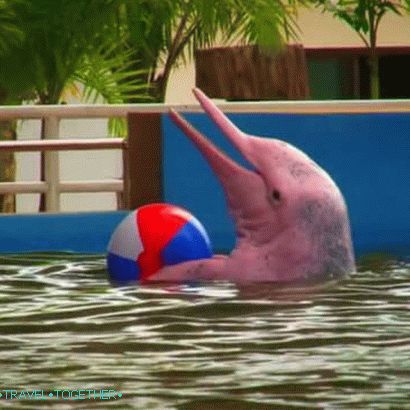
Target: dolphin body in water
(291,219)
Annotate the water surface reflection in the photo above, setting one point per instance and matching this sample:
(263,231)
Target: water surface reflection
(347,345)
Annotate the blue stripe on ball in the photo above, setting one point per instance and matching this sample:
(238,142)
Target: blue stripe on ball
(187,244)
(122,269)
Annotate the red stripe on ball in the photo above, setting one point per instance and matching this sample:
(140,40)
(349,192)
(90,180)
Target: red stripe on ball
(157,225)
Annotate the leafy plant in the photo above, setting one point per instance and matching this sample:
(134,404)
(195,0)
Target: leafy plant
(164,33)
(58,39)
(58,43)
(10,34)
(109,76)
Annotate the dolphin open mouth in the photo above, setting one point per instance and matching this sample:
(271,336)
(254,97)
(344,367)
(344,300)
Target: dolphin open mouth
(226,169)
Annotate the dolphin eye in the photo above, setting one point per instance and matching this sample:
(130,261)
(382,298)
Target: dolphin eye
(276,196)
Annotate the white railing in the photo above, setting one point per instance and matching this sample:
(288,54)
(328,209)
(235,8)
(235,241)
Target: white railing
(52,187)
(52,114)
(121,110)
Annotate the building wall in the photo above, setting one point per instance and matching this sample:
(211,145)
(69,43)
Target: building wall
(316,30)
(393,30)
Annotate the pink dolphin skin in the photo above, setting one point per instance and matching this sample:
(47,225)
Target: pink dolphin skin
(290,217)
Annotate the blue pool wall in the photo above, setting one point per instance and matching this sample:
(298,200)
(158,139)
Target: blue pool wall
(368,155)
(76,232)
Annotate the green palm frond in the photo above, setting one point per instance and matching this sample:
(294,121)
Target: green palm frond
(109,76)
(10,33)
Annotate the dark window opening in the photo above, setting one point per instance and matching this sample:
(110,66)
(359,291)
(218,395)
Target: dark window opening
(394,77)
(344,73)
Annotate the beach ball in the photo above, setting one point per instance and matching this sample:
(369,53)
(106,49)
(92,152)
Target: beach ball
(154,236)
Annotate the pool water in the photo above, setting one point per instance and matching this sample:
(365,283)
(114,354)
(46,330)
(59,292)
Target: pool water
(63,326)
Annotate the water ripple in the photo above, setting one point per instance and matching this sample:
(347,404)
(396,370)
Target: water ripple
(346,345)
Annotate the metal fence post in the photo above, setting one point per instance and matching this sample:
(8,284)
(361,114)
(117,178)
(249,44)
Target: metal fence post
(52,166)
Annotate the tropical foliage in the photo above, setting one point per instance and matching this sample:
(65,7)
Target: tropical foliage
(10,34)
(120,50)
(55,46)
(164,33)
(59,41)
(122,47)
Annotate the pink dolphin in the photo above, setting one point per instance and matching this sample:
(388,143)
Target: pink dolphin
(290,217)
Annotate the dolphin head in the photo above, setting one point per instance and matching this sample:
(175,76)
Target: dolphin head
(290,217)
